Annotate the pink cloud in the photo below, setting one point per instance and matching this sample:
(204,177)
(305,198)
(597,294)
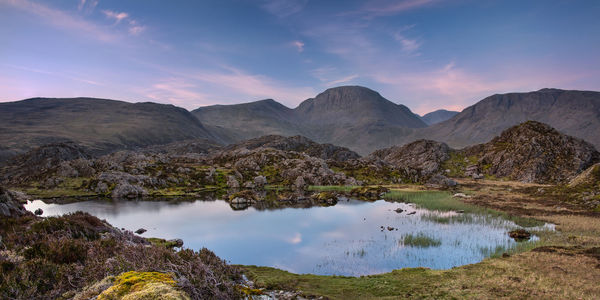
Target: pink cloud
(62,19)
(117,16)
(454,88)
(299,45)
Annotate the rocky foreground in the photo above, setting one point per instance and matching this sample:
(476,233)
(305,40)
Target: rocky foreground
(78,256)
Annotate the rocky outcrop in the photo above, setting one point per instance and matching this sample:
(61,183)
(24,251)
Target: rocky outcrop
(43,159)
(259,161)
(9,206)
(424,157)
(298,144)
(534,152)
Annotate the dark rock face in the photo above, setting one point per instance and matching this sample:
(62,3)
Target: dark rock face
(424,156)
(535,152)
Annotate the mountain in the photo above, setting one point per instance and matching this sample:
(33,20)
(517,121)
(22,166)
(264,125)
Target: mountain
(354,105)
(575,113)
(100,125)
(350,116)
(438,116)
(238,122)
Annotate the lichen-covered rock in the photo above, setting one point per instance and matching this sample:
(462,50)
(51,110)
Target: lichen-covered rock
(143,285)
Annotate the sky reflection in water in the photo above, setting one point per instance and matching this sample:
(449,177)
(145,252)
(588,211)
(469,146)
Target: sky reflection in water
(345,239)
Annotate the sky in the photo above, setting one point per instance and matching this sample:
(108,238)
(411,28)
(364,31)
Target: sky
(425,54)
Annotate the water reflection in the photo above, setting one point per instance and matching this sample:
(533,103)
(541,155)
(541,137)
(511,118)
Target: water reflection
(345,239)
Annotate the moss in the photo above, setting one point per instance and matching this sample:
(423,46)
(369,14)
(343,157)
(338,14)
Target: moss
(249,291)
(143,285)
(458,162)
(162,242)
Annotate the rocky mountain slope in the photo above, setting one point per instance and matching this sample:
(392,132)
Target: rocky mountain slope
(532,152)
(97,124)
(575,113)
(350,116)
(438,116)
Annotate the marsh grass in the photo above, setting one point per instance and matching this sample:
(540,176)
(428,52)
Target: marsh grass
(420,240)
(443,201)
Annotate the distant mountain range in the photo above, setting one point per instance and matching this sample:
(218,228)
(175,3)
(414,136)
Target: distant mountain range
(350,116)
(438,116)
(575,113)
(100,125)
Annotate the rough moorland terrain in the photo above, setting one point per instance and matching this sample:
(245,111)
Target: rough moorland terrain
(78,256)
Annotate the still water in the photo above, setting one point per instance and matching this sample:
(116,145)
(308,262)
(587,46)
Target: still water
(345,239)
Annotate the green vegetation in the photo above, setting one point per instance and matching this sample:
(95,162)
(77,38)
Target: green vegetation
(457,163)
(331,188)
(420,240)
(162,243)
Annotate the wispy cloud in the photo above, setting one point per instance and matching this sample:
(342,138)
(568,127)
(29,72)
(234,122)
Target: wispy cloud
(299,45)
(377,8)
(177,91)
(330,76)
(252,85)
(87,6)
(62,19)
(408,45)
(135,28)
(452,87)
(117,16)
(283,8)
(56,74)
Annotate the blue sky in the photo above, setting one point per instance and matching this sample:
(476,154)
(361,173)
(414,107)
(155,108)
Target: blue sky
(426,54)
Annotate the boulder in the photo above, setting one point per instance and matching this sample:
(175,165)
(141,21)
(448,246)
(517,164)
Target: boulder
(260,181)
(520,234)
(9,206)
(127,190)
(440,182)
(232,182)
